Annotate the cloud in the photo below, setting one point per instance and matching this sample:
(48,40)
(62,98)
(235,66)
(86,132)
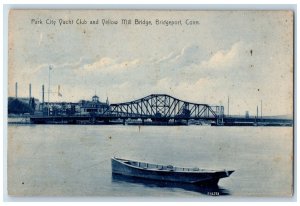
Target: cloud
(195,91)
(184,56)
(107,65)
(165,58)
(71,65)
(103,62)
(191,62)
(182,53)
(45,66)
(222,58)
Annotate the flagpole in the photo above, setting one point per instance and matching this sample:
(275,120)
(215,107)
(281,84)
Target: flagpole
(49,91)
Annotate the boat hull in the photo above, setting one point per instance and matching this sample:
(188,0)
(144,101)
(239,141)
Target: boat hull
(212,177)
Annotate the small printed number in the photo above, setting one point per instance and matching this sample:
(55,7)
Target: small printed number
(213,193)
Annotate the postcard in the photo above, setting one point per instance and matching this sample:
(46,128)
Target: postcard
(150,103)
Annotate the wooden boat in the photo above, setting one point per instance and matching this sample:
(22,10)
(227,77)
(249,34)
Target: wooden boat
(167,172)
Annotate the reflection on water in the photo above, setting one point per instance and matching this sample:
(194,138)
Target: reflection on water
(212,190)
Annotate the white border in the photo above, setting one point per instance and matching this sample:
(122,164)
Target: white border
(213,5)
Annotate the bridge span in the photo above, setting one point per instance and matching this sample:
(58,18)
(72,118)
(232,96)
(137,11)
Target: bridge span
(154,107)
(162,107)
(159,109)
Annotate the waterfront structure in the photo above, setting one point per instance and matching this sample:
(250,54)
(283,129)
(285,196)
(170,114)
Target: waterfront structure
(94,106)
(156,109)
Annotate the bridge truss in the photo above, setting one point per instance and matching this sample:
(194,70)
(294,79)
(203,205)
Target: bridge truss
(165,107)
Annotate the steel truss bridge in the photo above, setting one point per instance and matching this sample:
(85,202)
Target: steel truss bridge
(155,107)
(163,107)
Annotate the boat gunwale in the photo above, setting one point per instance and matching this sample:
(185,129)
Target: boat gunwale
(120,160)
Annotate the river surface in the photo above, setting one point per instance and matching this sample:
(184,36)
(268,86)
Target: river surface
(74,160)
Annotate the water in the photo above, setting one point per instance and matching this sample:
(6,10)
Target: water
(75,159)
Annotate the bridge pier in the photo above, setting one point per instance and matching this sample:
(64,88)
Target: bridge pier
(219,121)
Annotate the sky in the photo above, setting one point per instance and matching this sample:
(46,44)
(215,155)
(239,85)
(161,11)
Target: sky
(246,56)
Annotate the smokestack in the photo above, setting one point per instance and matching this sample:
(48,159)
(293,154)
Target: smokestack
(29,91)
(43,94)
(16,87)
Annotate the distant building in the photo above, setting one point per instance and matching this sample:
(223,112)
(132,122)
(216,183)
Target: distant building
(22,105)
(33,102)
(94,106)
(31,105)
(247,114)
(59,108)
